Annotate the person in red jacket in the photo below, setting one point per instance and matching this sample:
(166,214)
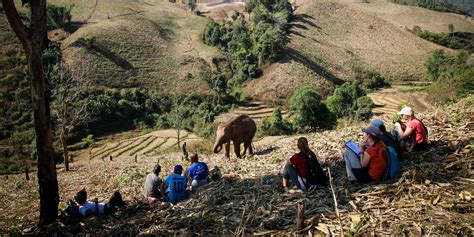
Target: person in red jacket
(296,167)
(370,164)
(414,135)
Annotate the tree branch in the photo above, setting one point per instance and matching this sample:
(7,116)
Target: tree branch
(17,25)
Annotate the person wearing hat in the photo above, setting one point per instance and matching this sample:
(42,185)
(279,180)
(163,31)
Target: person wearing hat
(370,164)
(151,189)
(385,136)
(175,186)
(414,135)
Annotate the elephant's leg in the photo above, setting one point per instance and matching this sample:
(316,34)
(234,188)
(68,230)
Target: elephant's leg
(249,146)
(237,149)
(227,150)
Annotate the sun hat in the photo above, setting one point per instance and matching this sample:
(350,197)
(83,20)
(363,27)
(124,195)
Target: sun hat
(406,111)
(372,130)
(178,168)
(377,123)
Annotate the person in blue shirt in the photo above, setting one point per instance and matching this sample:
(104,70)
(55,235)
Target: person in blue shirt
(197,172)
(175,186)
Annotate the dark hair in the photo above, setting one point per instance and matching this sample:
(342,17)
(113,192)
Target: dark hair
(383,129)
(157,169)
(194,158)
(81,197)
(304,147)
(374,138)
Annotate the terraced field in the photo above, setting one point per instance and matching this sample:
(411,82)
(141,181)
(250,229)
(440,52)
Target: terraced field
(390,100)
(256,110)
(153,143)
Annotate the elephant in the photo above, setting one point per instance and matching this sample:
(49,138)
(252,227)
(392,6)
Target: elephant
(237,129)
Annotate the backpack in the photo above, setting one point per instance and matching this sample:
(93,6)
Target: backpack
(393,165)
(426,129)
(316,175)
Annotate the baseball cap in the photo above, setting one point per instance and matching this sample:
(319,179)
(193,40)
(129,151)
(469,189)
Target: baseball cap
(377,123)
(406,111)
(372,130)
(178,168)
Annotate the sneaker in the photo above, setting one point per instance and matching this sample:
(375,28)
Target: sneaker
(286,189)
(312,188)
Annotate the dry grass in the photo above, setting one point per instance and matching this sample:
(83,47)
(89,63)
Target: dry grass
(409,16)
(330,40)
(432,196)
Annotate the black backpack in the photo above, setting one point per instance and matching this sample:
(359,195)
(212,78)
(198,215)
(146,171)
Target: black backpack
(316,175)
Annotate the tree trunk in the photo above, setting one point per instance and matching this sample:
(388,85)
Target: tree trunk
(34,40)
(65,150)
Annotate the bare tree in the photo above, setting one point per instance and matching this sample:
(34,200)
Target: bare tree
(179,113)
(34,39)
(70,101)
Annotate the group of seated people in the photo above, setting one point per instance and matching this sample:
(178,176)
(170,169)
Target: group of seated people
(368,164)
(176,186)
(370,159)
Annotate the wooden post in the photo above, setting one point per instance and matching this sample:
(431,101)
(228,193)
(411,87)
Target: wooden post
(110,157)
(71,159)
(136,160)
(27,171)
(300,216)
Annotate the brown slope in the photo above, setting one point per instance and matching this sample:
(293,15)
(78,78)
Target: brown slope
(329,41)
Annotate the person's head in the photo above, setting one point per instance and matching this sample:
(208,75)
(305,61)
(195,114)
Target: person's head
(303,144)
(81,197)
(157,169)
(379,123)
(407,113)
(194,158)
(178,169)
(373,134)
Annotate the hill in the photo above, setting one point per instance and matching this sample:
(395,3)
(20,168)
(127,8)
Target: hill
(155,45)
(332,42)
(410,16)
(433,194)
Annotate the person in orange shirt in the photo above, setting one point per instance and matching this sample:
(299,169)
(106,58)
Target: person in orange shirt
(370,165)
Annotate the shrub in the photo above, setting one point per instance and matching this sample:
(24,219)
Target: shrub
(276,125)
(350,100)
(58,15)
(373,80)
(309,112)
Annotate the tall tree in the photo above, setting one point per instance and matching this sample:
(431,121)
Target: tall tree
(33,37)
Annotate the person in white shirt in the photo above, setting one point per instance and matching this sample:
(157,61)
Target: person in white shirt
(88,208)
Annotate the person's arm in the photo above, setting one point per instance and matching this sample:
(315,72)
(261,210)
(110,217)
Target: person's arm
(363,146)
(364,160)
(406,133)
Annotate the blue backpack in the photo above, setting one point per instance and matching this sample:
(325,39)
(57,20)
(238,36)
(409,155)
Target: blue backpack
(393,165)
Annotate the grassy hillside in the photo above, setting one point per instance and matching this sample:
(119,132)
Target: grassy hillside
(410,16)
(154,45)
(332,42)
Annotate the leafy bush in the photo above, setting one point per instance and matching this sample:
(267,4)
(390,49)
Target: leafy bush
(309,112)
(453,75)
(453,40)
(373,80)
(275,125)
(58,16)
(350,100)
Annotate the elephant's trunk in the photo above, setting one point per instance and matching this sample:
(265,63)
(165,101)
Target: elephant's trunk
(217,148)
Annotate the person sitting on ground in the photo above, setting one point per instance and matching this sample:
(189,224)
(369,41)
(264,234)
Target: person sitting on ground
(88,208)
(385,136)
(151,189)
(197,172)
(175,186)
(414,135)
(370,164)
(296,168)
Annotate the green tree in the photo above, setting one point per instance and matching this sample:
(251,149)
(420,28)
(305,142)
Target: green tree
(451,29)
(309,112)
(436,64)
(276,124)
(343,101)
